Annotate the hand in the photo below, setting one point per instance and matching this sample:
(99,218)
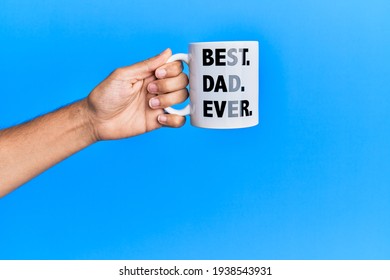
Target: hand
(130,101)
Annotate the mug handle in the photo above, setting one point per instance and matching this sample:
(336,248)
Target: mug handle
(186,110)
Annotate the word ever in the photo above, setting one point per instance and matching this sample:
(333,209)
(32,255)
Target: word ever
(235,108)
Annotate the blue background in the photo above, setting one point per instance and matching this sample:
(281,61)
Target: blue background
(312,181)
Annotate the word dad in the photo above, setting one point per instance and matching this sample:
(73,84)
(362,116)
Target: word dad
(220,83)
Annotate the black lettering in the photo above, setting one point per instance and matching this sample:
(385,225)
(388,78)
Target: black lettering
(219,110)
(219,55)
(207,108)
(208,83)
(244,51)
(126,271)
(244,108)
(208,57)
(220,84)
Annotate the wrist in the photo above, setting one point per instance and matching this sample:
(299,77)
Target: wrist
(87,121)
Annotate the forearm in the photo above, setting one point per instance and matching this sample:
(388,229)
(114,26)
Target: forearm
(29,149)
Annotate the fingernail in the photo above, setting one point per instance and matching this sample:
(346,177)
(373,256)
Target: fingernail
(152,87)
(160,73)
(154,102)
(162,119)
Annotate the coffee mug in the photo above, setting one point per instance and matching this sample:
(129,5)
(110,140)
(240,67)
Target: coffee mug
(224,87)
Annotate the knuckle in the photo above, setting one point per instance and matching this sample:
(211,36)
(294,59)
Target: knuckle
(177,121)
(184,78)
(174,68)
(183,94)
(178,66)
(173,84)
(119,71)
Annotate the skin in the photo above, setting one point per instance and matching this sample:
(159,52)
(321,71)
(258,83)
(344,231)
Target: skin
(127,103)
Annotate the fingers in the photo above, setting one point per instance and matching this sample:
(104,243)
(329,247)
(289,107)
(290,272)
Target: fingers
(169,70)
(143,69)
(168,84)
(171,87)
(171,120)
(167,100)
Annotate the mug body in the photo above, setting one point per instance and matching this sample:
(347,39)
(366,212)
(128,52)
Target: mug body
(224,87)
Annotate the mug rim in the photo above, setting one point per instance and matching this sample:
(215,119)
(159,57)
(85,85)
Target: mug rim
(223,42)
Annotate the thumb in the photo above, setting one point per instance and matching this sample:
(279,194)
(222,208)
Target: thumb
(146,68)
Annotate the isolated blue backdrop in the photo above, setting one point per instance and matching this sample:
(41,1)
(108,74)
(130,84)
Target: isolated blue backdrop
(312,181)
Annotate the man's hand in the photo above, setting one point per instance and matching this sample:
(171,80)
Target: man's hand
(130,101)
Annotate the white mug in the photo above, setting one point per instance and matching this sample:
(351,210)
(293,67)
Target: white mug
(224,86)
